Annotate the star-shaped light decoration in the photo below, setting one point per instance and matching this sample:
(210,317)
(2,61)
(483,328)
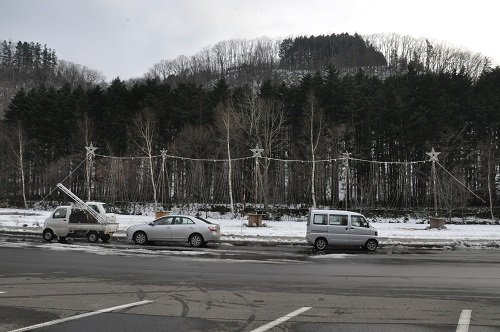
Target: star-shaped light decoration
(91,150)
(164,153)
(346,155)
(433,155)
(257,152)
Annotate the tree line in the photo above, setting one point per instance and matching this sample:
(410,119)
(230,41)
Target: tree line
(304,129)
(28,64)
(306,101)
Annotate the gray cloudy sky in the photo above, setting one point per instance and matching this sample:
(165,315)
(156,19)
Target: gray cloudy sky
(126,37)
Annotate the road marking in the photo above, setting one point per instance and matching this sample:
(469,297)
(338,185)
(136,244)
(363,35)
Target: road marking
(88,314)
(3,292)
(463,321)
(281,320)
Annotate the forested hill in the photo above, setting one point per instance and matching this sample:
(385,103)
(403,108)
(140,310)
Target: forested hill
(242,62)
(317,52)
(254,61)
(28,65)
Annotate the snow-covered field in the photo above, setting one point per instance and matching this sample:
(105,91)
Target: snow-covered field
(285,231)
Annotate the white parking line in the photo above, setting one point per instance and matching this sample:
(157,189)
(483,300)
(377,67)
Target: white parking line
(463,321)
(281,320)
(88,314)
(3,292)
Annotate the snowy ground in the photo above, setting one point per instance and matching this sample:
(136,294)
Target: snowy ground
(283,231)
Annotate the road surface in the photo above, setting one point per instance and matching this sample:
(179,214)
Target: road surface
(121,287)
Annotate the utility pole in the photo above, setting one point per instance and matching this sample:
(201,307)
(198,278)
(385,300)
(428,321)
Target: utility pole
(90,163)
(346,172)
(433,157)
(257,153)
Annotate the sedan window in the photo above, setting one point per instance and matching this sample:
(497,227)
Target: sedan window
(186,221)
(163,221)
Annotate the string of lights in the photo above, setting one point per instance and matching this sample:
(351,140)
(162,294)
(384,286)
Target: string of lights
(344,158)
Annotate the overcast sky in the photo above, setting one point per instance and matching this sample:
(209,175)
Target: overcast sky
(127,37)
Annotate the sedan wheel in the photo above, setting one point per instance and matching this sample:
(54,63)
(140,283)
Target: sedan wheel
(196,240)
(140,238)
(320,244)
(371,245)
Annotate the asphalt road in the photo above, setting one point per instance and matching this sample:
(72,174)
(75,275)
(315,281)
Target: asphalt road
(123,287)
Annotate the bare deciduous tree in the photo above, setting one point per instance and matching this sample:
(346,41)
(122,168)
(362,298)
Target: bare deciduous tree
(436,56)
(16,142)
(227,121)
(314,129)
(263,123)
(145,129)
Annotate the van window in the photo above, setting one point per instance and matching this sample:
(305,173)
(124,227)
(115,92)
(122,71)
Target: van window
(320,219)
(338,220)
(359,221)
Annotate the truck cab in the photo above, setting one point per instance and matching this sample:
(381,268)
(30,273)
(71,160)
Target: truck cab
(340,228)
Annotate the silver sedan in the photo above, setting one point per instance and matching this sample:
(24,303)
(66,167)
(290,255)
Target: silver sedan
(176,228)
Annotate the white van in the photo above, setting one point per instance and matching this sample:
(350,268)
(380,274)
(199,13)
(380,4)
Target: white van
(340,228)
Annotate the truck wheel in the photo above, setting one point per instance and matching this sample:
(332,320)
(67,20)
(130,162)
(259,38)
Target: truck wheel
(105,237)
(48,235)
(92,237)
(320,243)
(140,238)
(371,245)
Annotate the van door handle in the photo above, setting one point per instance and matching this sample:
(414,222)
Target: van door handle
(347,229)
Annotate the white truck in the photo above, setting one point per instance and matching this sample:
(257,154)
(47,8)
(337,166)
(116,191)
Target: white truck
(90,220)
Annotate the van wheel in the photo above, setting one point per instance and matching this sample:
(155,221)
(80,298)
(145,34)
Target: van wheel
(371,245)
(320,243)
(48,235)
(92,237)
